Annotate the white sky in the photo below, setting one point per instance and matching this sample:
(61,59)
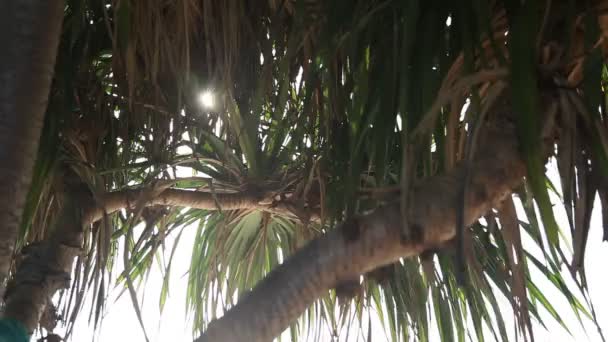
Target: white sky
(120,322)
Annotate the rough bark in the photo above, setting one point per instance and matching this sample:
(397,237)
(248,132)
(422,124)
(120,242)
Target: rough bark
(46,266)
(370,241)
(29,35)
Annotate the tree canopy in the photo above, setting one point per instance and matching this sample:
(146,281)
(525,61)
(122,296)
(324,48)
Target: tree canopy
(335,156)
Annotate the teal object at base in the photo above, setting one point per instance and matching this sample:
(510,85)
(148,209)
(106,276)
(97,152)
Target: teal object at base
(12,331)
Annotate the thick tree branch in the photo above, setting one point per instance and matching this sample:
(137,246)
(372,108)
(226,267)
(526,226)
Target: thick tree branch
(29,35)
(373,240)
(114,201)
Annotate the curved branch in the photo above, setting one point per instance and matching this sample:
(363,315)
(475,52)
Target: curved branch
(373,240)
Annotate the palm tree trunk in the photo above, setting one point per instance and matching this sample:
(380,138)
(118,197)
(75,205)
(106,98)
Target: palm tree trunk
(368,242)
(46,266)
(29,35)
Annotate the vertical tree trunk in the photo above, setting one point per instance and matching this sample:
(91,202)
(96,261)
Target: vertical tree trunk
(29,35)
(47,265)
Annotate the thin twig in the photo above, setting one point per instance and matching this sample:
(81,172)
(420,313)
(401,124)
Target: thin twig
(492,95)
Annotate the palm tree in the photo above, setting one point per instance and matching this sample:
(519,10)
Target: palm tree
(358,155)
(29,36)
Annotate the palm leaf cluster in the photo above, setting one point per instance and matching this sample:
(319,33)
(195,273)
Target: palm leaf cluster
(323,110)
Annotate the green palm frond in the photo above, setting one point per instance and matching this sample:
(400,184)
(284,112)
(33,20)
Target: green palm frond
(325,111)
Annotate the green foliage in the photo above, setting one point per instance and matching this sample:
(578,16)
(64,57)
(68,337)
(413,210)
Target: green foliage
(321,106)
